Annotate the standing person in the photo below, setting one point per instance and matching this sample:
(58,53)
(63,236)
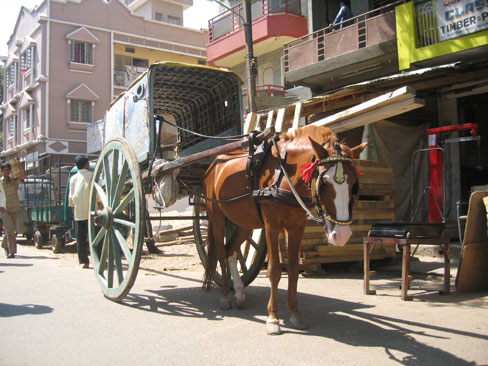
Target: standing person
(344,14)
(79,186)
(11,209)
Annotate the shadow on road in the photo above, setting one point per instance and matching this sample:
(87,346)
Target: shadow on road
(8,310)
(343,321)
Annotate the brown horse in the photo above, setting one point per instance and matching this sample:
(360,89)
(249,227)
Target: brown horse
(308,152)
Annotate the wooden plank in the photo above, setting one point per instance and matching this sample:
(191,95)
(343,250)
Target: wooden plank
(250,122)
(378,114)
(269,122)
(297,115)
(387,105)
(280,117)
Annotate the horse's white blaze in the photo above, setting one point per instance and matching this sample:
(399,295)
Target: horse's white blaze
(340,234)
(240,295)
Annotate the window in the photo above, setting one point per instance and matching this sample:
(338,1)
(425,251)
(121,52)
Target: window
(25,60)
(173,20)
(81,52)
(10,75)
(80,111)
(158,17)
(12,127)
(27,118)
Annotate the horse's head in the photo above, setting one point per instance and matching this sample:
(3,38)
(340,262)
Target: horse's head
(334,184)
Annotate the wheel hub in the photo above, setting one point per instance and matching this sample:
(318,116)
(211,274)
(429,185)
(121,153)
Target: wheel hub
(104,218)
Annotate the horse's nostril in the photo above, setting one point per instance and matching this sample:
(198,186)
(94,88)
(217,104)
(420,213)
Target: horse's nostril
(334,236)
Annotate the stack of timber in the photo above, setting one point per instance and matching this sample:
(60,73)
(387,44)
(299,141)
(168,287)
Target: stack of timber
(375,203)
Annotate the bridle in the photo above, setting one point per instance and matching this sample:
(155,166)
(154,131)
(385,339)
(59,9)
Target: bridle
(316,182)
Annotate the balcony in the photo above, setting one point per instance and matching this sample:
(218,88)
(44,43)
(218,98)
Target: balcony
(274,22)
(123,77)
(365,47)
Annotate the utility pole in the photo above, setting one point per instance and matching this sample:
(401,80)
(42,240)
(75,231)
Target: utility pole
(251,62)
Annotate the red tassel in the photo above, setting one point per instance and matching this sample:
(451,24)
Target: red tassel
(358,173)
(307,171)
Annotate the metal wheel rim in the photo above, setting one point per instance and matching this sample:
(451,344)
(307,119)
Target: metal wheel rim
(250,257)
(116,241)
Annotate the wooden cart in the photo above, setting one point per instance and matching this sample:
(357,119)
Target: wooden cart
(147,138)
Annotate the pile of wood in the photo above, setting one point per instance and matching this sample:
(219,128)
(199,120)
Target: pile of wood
(375,203)
(176,236)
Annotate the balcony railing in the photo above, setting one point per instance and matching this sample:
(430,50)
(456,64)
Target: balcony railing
(231,21)
(267,90)
(374,27)
(123,77)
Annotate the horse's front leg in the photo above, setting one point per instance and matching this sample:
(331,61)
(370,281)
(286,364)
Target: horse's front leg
(294,239)
(238,237)
(274,274)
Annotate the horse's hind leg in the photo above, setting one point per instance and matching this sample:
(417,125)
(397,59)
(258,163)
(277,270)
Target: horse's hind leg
(218,230)
(237,238)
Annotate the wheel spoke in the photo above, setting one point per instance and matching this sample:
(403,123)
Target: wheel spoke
(118,262)
(110,264)
(253,243)
(123,244)
(99,236)
(103,256)
(101,193)
(125,202)
(125,223)
(106,170)
(120,183)
(242,262)
(115,172)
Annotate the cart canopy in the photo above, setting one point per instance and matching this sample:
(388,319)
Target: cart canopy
(198,98)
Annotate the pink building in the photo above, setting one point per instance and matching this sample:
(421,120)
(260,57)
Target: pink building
(68,59)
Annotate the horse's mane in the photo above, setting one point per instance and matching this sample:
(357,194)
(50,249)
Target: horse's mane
(320,134)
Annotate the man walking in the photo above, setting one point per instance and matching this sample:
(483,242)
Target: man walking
(79,186)
(11,209)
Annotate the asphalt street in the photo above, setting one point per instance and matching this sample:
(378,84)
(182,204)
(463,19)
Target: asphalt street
(53,313)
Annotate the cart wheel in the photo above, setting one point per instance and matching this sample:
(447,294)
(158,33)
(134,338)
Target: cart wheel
(116,220)
(251,254)
(57,243)
(38,240)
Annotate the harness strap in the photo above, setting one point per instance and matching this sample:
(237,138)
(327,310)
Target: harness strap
(252,166)
(309,213)
(273,193)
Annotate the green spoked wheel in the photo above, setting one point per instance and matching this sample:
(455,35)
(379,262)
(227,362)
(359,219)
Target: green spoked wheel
(116,220)
(250,256)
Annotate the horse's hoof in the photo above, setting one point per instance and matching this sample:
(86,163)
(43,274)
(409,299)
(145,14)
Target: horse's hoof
(273,328)
(298,323)
(225,303)
(240,302)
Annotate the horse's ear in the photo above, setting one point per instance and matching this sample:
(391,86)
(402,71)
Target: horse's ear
(320,152)
(358,149)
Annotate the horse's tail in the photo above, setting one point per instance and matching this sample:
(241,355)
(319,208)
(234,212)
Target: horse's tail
(211,267)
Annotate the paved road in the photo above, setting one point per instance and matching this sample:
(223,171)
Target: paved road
(53,313)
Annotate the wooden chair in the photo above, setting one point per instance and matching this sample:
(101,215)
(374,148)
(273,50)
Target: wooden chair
(404,235)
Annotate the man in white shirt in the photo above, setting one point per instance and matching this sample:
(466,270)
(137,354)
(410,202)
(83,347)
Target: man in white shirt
(79,188)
